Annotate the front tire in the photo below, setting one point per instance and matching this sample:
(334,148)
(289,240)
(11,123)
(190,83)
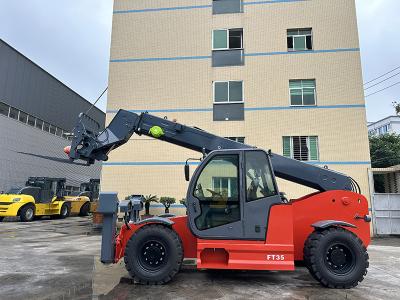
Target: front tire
(154,254)
(84,211)
(27,213)
(336,258)
(64,211)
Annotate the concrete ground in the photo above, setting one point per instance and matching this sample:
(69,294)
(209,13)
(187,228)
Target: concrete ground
(58,259)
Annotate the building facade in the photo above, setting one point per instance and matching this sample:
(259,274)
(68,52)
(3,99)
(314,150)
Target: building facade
(389,125)
(37,112)
(280,75)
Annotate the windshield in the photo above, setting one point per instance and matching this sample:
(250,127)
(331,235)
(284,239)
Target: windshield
(14,190)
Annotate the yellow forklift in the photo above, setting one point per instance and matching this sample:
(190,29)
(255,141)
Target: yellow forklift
(42,196)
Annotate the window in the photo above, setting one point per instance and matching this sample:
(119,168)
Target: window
(218,193)
(259,180)
(239,139)
(225,185)
(59,132)
(52,129)
(302,92)
(23,117)
(228,91)
(13,113)
(31,121)
(39,124)
(46,126)
(304,148)
(227,6)
(299,39)
(4,108)
(226,39)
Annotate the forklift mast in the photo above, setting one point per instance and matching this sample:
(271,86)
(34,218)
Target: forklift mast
(89,144)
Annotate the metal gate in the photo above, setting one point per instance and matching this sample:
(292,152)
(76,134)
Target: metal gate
(386,213)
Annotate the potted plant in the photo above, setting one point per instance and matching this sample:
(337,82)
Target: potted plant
(147,200)
(167,201)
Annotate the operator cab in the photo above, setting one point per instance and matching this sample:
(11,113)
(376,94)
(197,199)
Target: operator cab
(230,195)
(43,189)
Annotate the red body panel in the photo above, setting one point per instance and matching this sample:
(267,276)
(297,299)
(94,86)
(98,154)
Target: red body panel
(289,226)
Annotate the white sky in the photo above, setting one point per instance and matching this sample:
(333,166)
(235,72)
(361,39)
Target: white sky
(71,40)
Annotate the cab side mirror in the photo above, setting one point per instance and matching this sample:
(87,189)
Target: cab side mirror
(187,171)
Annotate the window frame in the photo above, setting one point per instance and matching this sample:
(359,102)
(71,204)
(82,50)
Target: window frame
(227,39)
(302,94)
(228,102)
(300,35)
(308,147)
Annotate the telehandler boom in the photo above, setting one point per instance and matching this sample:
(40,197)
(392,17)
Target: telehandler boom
(237,218)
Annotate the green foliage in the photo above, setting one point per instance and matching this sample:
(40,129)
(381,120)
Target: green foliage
(147,200)
(385,150)
(396,106)
(183,201)
(150,198)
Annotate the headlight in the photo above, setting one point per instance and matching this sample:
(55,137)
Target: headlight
(16,200)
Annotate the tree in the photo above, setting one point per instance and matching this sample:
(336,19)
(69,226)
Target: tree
(183,201)
(396,106)
(385,150)
(147,200)
(167,201)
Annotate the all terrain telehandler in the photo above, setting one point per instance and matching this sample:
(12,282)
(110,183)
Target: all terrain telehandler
(241,223)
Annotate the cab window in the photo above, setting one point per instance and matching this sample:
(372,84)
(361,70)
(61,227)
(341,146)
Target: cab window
(259,178)
(218,193)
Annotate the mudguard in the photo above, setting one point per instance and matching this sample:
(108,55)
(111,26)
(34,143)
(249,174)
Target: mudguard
(328,223)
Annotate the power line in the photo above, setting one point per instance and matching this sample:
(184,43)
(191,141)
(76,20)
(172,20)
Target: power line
(382,81)
(101,95)
(383,89)
(382,75)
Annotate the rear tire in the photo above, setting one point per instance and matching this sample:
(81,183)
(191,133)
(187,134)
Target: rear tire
(27,213)
(84,211)
(336,258)
(64,211)
(154,254)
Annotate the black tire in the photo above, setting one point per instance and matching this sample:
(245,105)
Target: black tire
(64,211)
(84,211)
(336,258)
(27,213)
(1,219)
(153,255)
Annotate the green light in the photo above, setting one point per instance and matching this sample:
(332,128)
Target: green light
(156,131)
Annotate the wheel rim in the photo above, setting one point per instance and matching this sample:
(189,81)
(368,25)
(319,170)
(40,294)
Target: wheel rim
(340,259)
(153,256)
(64,210)
(29,213)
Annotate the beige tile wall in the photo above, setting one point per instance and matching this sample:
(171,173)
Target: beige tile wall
(188,84)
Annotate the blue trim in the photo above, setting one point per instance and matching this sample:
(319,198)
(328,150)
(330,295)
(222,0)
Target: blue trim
(181,163)
(201,57)
(302,52)
(160,9)
(159,59)
(158,205)
(246,108)
(144,10)
(271,2)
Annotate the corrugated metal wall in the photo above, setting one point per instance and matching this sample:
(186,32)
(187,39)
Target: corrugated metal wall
(28,87)
(26,151)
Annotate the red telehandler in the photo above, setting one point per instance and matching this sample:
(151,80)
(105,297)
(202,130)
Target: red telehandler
(236,216)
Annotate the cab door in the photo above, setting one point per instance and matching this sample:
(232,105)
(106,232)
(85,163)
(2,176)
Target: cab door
(230,195)
(214,197)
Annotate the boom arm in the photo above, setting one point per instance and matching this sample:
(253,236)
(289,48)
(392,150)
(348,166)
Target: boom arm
(90,145)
